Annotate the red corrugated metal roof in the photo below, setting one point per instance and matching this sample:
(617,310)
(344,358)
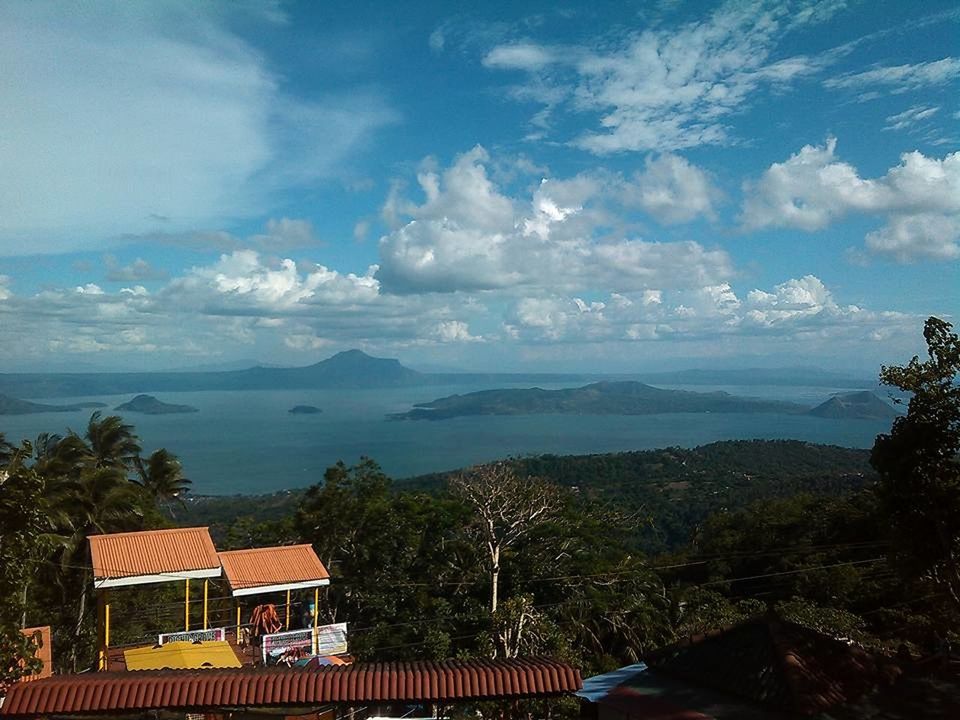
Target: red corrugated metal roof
(263,567)
(152,552)
(448,681)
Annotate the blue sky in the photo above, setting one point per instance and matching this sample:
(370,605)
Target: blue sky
(605,186)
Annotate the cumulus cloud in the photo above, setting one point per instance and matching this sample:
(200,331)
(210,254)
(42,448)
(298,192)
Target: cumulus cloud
(901,78)
(799,309)
(132,118)
(920,198)
(454,331)
(663,89)
(470,236)
(673,190)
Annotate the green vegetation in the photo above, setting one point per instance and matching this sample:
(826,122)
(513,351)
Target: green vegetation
(593,559)
(602,398)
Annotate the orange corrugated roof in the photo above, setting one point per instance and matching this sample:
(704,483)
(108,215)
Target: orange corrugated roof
(153,552)
(272,566)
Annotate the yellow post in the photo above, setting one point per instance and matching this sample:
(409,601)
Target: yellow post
(238,622)
(106,629)
(186,606)
(316,616)
(206,584)
(287,622)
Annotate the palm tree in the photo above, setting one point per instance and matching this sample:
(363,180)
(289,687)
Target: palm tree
(112,442)
(161,477)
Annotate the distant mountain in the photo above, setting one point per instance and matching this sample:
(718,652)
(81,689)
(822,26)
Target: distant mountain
(791,376)
(602,398)
(350,369)
(149,405)
(13,406)
(863,405)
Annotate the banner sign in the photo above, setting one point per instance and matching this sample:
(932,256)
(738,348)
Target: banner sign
(194,635)
(332,639)
(287,647)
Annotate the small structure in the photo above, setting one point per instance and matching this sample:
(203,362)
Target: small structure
(182,655)
(359,691)
(44,652)
(762,668)
(150,556)
(285,569)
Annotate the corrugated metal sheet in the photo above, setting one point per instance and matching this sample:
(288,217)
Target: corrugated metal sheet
(261,567)
(448,681)
(152,552)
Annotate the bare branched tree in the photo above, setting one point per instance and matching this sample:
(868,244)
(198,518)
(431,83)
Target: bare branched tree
(508,508)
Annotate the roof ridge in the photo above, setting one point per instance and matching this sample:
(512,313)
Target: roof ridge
(100,536)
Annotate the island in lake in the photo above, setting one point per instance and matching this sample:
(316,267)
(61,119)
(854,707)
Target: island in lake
(149,405)
(601,398)
(636,398)
(13,406)
(304,410)
(863,405)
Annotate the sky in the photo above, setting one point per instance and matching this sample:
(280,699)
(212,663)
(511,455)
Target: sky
(498,186)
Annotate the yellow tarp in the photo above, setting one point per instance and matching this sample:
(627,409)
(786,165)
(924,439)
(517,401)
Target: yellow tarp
(182,656)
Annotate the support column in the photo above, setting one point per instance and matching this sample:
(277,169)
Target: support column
(238,621)
(287,619)
(206,585)
(106,629)
(186,605)
(316,618)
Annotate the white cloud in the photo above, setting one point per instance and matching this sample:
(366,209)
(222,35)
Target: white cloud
(454,331)
(924,236)
(797,310)
(135,118)
(469,236)
(920,198)
(243,280)
(519,56)
(672,190)
(910,117)
(665,89)
(901,78)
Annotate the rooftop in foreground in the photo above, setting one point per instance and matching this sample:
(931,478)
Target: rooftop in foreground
(179,690)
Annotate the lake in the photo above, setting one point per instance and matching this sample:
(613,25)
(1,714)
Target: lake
(248,442)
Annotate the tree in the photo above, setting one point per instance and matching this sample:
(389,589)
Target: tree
(507,508)
(161,476)
(22,528)
(112,442)
(919,485)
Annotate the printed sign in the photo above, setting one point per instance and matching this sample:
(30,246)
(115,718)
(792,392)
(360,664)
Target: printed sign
(332,639)
(194,635)
(285,648)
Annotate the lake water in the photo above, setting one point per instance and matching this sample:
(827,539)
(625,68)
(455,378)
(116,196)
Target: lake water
(248,442)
